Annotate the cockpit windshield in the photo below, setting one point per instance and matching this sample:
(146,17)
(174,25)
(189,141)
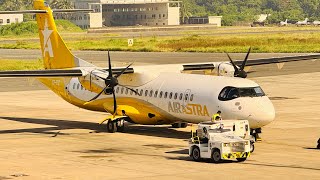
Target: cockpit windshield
(229,93)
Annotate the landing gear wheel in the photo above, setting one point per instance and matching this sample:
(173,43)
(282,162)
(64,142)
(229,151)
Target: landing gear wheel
(241,159)
(196,154)
(216,156)
(184,125)
(120,125)
(251,147)
(111,126)
(179,125)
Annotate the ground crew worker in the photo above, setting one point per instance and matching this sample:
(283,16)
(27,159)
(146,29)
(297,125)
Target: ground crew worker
(216,117)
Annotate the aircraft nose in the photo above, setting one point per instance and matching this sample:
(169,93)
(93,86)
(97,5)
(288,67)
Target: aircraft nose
(264,113)
(267,113)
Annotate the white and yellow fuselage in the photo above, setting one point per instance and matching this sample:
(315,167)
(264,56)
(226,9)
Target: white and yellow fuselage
(166,95)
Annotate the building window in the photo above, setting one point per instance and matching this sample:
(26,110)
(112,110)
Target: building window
(1,21)
(8,21)
(17,20)
(159,16)
(164,15)
(164,23)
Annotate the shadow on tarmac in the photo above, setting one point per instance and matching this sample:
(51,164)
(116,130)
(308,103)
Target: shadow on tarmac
(157,131)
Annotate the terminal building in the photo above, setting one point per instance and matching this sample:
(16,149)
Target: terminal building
(126,13)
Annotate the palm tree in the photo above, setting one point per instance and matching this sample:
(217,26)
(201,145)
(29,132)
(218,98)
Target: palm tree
(185,11)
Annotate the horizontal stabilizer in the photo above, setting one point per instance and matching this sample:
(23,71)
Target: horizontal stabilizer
(45,11)
(43,73)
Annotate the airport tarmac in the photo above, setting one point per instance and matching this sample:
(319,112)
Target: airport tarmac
(43,137)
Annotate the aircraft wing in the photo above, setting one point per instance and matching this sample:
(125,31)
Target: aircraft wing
(43,73)
(263,61)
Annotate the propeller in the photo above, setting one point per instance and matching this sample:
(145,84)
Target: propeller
(240,72)
(111,82)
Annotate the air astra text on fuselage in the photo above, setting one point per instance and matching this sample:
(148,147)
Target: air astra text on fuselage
(190,109)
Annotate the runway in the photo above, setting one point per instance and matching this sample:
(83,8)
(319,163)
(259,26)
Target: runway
(43,137)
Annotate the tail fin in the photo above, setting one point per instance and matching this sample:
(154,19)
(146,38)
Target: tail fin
(55,53)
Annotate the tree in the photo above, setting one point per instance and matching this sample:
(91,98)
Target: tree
(61,4)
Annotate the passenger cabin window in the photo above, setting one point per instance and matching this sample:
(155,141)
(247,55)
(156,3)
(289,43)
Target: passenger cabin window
(78,86)
(160,95)
(127,91)
(175,95)
(165,95)
(74,85)
(141,92)
(117,90)
(191,97)
(170,96)
(229,93)
(151,93)
(122,90)
(155,94)
(146,93)
(180,97)
(186,97)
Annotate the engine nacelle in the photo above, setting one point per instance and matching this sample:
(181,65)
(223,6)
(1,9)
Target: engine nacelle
(225,69)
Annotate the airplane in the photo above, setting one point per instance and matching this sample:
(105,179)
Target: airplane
(152,94)
(301,23)
(284,23)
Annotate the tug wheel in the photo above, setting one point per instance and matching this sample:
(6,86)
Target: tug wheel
(112,126)
(251,147)
(216,156)
(196,154)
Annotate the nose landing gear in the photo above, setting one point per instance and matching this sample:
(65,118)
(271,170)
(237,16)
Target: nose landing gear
(255,133)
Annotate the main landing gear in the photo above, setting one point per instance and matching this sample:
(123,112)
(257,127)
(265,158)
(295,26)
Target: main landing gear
(179,125)
(115,126)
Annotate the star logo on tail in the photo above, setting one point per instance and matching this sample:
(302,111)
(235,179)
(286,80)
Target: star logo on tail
(47,46)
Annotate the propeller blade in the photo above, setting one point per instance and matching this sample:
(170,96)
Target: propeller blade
(118,75)
(110,69)
(90,79)
(245,60)
(130,89)
(234,65)
(114,103)
(96,96)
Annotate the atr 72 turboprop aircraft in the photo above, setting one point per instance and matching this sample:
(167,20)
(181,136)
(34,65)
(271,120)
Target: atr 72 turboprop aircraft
(151,95)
